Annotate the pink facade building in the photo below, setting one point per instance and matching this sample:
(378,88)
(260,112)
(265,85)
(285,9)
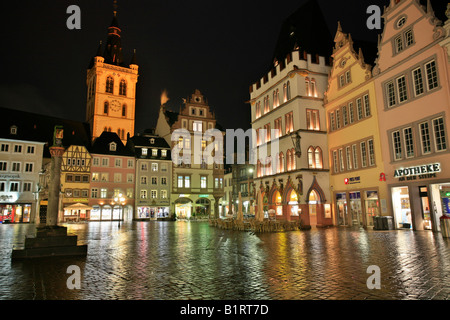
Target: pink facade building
(412,90)
(112,179)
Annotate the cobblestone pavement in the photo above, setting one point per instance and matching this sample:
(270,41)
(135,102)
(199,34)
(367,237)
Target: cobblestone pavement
(191,260)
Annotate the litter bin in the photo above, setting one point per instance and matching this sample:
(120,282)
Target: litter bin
(445,226)
(383,223)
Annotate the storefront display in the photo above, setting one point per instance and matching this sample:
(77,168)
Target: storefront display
(341,208)
(402,208)
(372,204)
(355,208)
(15,213)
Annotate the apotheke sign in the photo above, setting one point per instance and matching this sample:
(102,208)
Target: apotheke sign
(422,172)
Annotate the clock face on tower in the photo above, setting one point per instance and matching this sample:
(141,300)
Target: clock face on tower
(115,105)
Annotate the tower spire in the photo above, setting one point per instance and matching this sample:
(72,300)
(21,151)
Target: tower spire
(115,6)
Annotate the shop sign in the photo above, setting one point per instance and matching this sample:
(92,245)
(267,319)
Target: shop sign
(9,176)
(203,196)
(421,172)
(354,180)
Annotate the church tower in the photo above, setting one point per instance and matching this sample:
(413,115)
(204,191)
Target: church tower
(111,87)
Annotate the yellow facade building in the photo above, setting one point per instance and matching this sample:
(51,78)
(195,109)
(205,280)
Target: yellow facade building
(357,179)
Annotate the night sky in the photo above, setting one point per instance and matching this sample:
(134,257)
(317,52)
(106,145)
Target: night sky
(218,47)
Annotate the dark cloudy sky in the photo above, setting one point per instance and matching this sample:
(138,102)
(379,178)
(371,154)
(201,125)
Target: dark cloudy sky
(219,47)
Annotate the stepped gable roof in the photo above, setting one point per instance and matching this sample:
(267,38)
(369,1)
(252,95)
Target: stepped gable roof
(40,128)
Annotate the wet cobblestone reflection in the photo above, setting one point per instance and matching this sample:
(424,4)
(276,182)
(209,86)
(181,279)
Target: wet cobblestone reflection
(182,260)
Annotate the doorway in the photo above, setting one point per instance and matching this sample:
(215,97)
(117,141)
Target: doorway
(313,201)
(402,207)
(355,208)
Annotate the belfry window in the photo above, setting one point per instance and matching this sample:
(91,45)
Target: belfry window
(109,85)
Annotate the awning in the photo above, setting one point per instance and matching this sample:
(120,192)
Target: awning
(78,206)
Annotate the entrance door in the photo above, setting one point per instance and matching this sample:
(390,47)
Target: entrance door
(341,206)
(426,212)
(355,208)
(313,200)
(402,208)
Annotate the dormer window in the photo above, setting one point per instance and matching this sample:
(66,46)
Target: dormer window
(154,152)
(112,146)
(144,151)
(152,141)
(13,130)
(163,153)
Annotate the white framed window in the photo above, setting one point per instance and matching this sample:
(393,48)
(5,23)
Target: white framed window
(431,73)
(104,177)
(130,163)
(4,147)
(398,44)
(96,161)
(359,108)
(144,166)
(144,151)
(27,187)
(351,113)
(371,150)
(164,167)
(30,149)
(390,93)
(15,167)
(28,167)
(425,138)
(154,181)
(112,146)
(163,153)
(402,89)
(366,106)
(197,126)
(117,177)
(94,193)
(163,194)
(105,162)
(154,167)
(341,160)
(418,82)
(409,143)
(397,145)
(163,181)
(118,163)
(14,186)
(344,116)
(154,194)
(143,180)
(154,152)
(130,178)
(439,134)
(3,166)
(355,156)
(348,157)
(143,194)
(103,193)
(363,154)
(203,182)
(17,148)
(95,177)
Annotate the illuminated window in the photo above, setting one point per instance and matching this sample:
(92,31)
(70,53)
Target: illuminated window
(318,158)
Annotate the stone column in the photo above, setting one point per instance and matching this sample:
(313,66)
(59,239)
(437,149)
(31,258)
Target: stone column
(54,185)
(216,207)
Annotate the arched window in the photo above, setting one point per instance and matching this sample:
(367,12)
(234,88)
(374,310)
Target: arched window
(284,92)
(274,99)
(258,169)
(109,84)
(318,158)
(109,129)
(124,110)
(313,88)
(106,107)
(282,167)
(311,159)
(123,87)
(105,129)
(266,105)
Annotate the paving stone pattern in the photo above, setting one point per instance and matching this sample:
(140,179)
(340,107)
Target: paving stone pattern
(193,261)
